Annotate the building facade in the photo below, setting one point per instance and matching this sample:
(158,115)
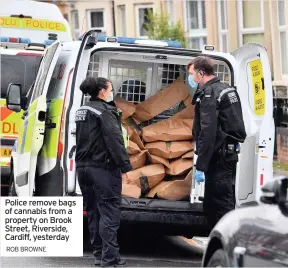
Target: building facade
(226,24)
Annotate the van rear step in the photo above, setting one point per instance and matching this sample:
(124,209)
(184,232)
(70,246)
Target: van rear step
(161,205)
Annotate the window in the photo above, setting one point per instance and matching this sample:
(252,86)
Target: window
(96,20)
(122,20)
(43,71)
(75,24)
(283,38)
(251,21)
(18,69)
(170,11)
(223,25)
(196,23)
(129,79)
(142,12)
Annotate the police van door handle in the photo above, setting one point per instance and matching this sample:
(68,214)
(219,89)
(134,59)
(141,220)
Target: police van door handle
(72,151)
(24,114)
(73,132)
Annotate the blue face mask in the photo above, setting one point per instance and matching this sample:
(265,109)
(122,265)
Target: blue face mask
(191,82)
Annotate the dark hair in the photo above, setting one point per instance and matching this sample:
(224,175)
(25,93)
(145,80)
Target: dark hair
(92,85)
(202,63)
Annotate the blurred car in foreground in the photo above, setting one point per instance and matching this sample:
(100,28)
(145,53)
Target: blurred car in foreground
(253,236)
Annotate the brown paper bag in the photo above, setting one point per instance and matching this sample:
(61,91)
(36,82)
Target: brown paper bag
(133,148)
(169,150)
(130,124)
(179,167)
(173,190)
(188,155)
(154,159)
(138,160)
(146,177)
(186,113)
(130,190)
(161,101)
(127,108)
(136,138)
(188,100)
(169,130)
(159,187)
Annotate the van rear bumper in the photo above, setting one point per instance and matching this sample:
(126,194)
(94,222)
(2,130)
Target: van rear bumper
(163,217)
(167,223)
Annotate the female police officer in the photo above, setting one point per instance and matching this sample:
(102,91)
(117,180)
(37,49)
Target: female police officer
(101,157)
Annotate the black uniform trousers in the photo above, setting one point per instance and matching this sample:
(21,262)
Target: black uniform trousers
(219,196)
(101,189)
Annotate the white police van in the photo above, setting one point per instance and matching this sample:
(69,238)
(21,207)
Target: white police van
(43,158)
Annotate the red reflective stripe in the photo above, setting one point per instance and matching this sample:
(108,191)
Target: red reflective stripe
(9,137)
(71,164)
(60,149)
(60,144)
(28,54)
(261,179)
(84,212)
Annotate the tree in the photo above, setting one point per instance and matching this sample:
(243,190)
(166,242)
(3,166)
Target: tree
(159,28)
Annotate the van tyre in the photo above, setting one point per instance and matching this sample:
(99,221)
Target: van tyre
(12,191)
(218,259)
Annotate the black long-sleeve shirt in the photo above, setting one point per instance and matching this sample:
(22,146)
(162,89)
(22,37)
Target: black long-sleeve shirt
(218,119)
(99,139)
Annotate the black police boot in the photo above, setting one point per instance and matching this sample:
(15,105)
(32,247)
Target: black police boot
(119,263)
(97,262)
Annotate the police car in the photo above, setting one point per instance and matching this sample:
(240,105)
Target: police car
(27,28)
(43,159)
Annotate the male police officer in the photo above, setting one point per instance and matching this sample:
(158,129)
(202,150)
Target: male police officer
(101,157)
(218,129)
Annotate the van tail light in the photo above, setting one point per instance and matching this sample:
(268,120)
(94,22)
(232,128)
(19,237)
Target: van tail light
(261,179)
(62,123)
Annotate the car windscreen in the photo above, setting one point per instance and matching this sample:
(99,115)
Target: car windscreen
(19,69)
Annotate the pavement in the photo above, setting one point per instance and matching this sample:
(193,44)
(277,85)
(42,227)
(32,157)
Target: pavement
(140,250)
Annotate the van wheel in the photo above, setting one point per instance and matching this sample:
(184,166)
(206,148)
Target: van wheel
(218,259)
(12,191)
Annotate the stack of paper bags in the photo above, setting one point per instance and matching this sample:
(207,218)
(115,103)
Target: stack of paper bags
(161,153)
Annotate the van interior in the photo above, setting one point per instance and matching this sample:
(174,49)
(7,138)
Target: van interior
(135,78)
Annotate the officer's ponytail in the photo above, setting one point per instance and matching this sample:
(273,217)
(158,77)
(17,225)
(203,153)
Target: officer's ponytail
(92,85)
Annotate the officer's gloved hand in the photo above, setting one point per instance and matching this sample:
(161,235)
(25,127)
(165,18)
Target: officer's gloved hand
(199,176)
(238,148)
